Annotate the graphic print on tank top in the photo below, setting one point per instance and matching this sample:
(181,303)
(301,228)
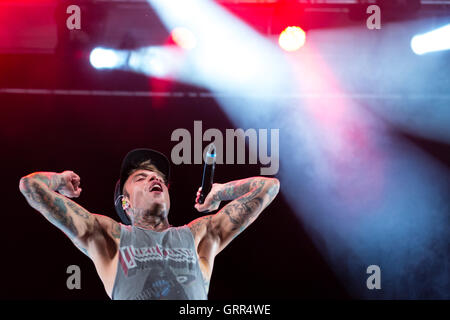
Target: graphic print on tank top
(158,265)
(133,259)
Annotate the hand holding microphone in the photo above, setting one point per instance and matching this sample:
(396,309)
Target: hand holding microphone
(204,200)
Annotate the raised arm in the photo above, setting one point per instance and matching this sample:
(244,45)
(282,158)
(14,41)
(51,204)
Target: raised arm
(250,197)
(47,192)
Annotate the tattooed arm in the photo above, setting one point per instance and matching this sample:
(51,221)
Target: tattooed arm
(46,192)
(250,197)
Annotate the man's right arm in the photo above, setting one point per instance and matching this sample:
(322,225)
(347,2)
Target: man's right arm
(91,233)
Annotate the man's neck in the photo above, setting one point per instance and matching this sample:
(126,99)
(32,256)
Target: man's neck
(146,220)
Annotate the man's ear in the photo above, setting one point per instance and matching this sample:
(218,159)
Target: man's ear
(126,207)
(125,204)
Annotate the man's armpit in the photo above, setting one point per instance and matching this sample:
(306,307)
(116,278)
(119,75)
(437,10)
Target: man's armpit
(199,227)
(111,226)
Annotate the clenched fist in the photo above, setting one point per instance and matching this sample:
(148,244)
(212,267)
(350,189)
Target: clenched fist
(68,184)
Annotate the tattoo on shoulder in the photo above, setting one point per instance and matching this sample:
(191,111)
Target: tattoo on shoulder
(79,211)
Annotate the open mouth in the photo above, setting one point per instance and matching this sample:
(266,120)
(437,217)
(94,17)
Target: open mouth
(156,187)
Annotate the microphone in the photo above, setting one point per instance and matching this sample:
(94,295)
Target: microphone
(208,172)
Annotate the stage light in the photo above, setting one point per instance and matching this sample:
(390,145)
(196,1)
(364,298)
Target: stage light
(157,61)
(436,40)
(101,58)
(292,39)
(184,38)
(160,62)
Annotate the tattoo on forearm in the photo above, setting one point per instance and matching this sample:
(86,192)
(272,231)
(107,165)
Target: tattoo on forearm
(42,178)
(53,207)
(235,189)
(52,180)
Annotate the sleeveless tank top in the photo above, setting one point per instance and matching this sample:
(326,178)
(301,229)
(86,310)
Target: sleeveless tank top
(158,265)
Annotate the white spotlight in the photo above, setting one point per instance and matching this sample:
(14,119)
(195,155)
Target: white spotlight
(101,58)
(435,40)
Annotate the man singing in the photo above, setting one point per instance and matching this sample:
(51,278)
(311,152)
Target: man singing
(144,257)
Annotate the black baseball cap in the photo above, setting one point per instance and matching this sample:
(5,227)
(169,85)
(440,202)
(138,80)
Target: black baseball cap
(131,162)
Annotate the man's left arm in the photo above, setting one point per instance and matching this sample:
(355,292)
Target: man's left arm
(249,198)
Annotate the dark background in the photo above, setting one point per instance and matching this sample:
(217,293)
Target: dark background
(274,258)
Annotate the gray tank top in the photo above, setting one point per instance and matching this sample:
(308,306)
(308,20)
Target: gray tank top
(158,265)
